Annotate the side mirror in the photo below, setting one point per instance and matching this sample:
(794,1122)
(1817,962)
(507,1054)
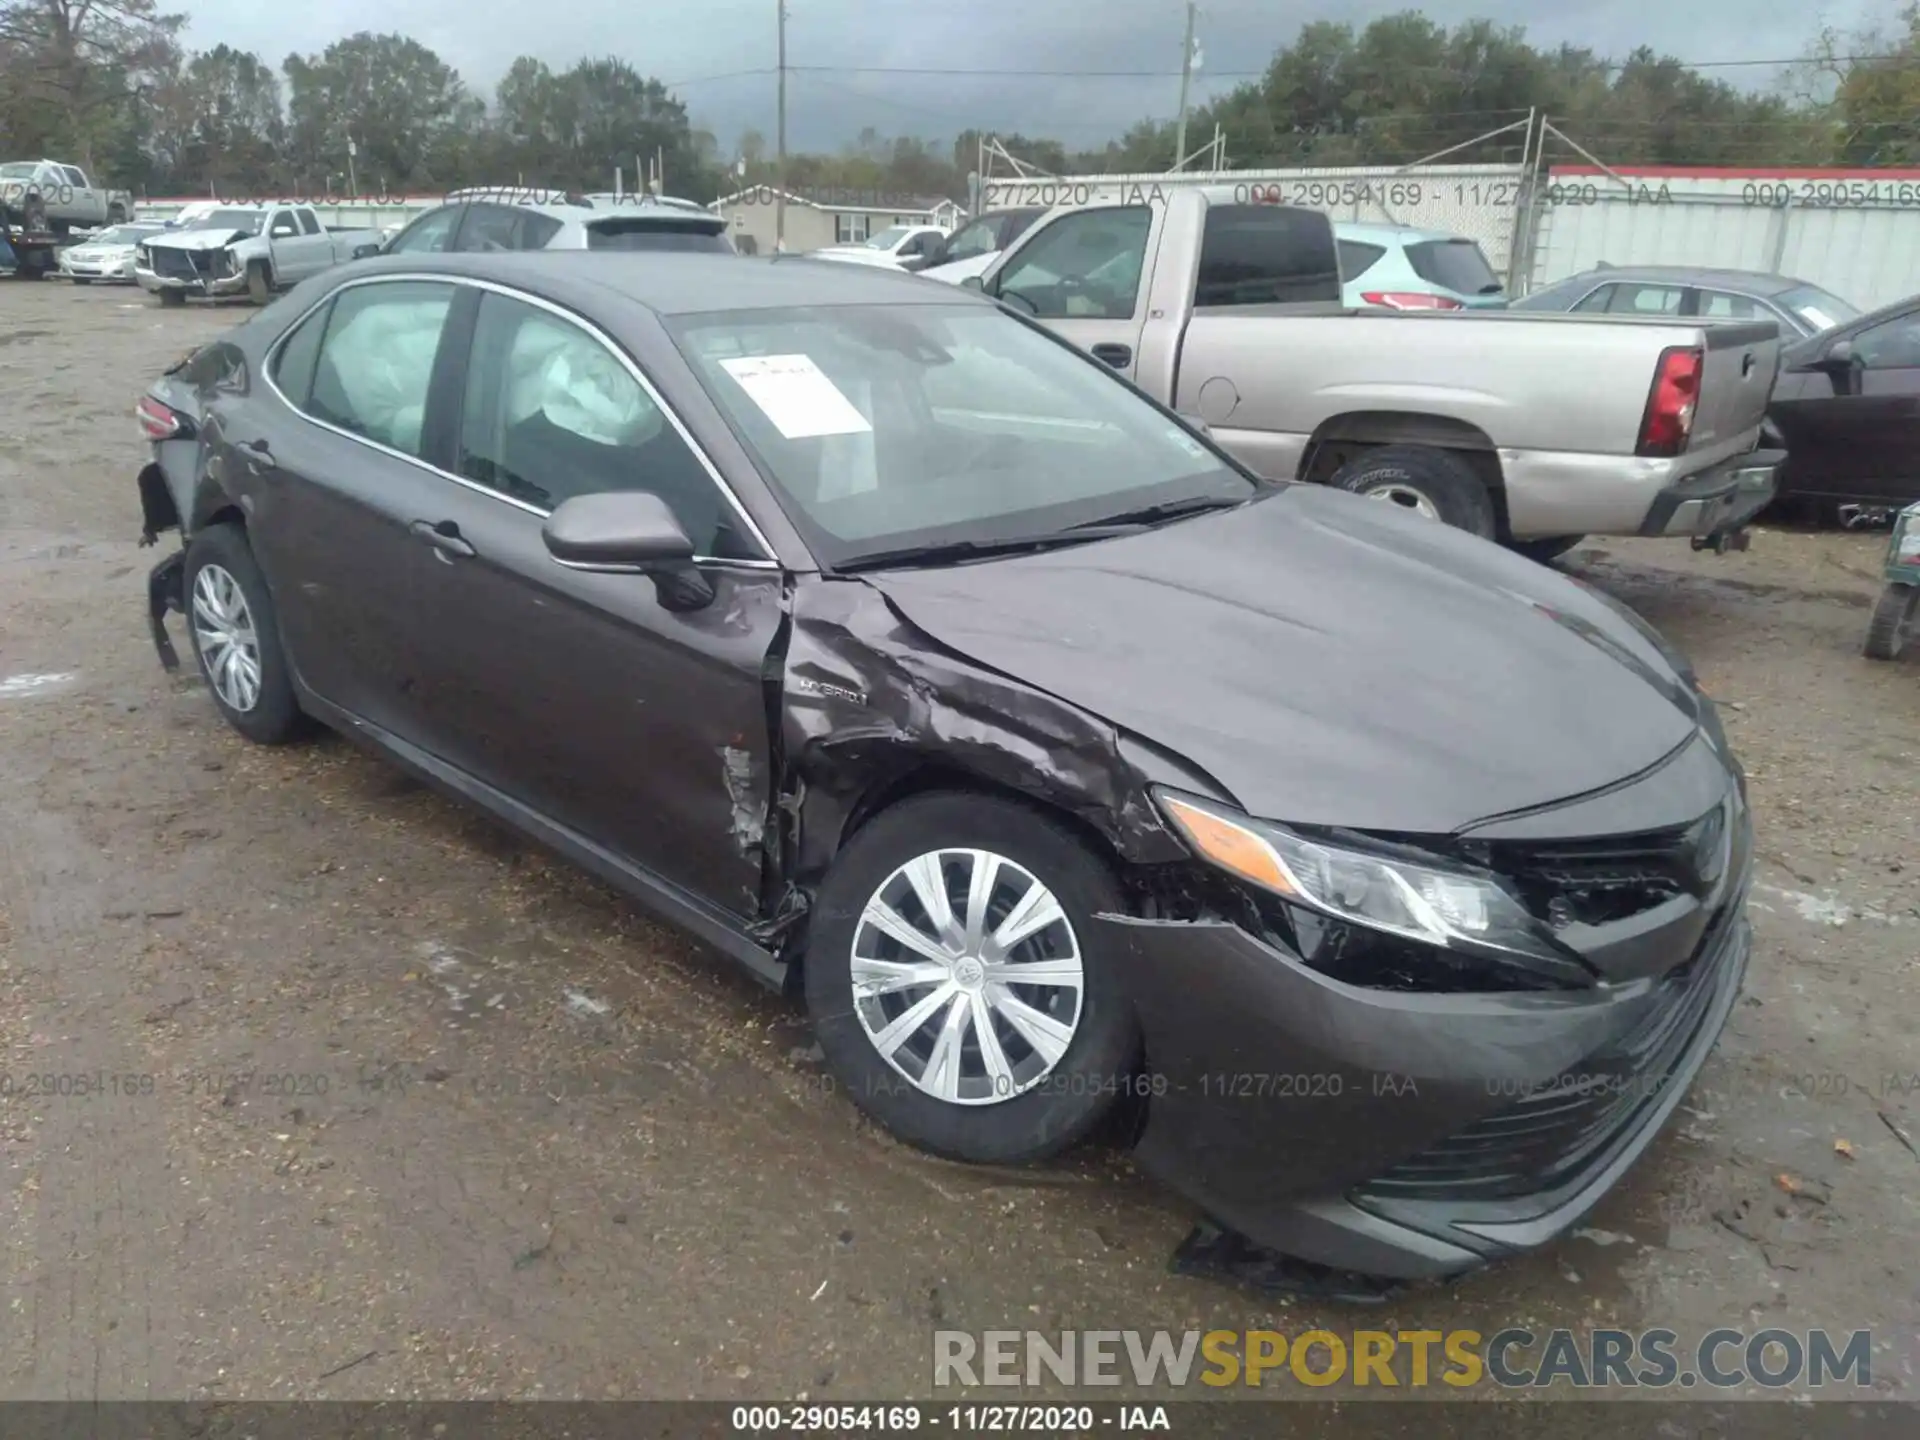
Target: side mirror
(973,282)
(283,232)
(621,530)
(365,252)
(1836,359)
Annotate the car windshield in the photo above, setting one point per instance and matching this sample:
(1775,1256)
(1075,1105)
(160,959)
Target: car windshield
(889,237)
(19,170)
(1815,306)
(251,222)
(895,427)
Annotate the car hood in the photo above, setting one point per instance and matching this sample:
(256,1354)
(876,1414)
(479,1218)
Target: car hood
(198,239)
(1327,659)
(954,271)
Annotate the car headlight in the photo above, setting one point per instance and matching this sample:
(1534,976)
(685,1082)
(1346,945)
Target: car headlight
(1452,909)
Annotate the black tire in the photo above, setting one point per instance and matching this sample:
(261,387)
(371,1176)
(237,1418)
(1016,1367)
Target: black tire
(81,280)
(1036,1123)
(1444,481)
(1892,623)
(1548,550)
(172,297)
(116,214)
(274,717)
(259,283)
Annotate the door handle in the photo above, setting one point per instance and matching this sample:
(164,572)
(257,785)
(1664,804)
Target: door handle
(260,455)
(1115,355)
(444,536)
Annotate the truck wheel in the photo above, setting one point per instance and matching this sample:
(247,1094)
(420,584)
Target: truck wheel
(81,280)
(259,283)
(1433,483)
(116,214)
(1892,623)
(173,297)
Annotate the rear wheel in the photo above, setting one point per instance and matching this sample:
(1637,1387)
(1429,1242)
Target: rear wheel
(1433,483)
(956,985)
(1893,622)
(236,637)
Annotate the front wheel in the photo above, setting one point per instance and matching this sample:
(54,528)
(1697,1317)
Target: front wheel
(259,283)
(172,297)
(1892,623)
(1434,483)
(236,637)
(957,987)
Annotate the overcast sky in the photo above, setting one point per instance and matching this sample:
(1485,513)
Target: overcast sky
(689,43)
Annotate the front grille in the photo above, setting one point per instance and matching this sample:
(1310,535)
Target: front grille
(1593,882)
(1549,1136)
(181,264)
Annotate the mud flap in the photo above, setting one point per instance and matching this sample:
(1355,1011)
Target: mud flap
(157,509)
(166,591)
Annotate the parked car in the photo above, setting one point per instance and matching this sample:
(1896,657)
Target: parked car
(920,664)
(1847,409)
(107,255)
(251,250)
(970,249)
(497,219)
(1688,292)
(54,196)
(1395,267)
(1527,428)
(894,248)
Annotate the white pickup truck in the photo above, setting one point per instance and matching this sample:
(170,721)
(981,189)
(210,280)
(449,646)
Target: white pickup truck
(53,196)
(251,250)
(1529,428)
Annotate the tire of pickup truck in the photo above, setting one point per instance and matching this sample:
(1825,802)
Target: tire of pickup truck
(173,297)
(259,283)
(116,214)
(1429,482)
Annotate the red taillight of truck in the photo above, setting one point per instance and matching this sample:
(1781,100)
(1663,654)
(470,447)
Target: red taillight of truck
(1668,421)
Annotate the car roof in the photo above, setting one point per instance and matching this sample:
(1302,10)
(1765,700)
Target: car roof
(673,283)
(1753,282)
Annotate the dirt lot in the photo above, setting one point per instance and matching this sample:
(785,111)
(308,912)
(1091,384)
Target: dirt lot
(398,1106)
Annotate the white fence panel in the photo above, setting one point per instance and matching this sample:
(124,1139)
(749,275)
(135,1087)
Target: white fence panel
(1853,232)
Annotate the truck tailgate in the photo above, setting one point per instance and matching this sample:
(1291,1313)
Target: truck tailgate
(1736,383)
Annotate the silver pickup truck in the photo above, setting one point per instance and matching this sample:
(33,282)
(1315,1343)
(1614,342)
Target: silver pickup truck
(54,196)
(251,250)
(1531,429)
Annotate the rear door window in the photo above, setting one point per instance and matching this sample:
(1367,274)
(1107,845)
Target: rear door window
(1645,299)
(376,361)
(1455,265)
(1723,305)
(1266,255)
(309,222)
(1357,257)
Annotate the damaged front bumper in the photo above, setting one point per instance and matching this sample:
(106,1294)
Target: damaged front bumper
(1406,1135)
(201,285)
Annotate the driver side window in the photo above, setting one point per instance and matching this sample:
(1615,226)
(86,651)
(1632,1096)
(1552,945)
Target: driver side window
(1891,345)
(1085,266)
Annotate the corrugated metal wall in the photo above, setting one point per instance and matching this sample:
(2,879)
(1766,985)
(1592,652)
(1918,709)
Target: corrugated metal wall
(1853,232)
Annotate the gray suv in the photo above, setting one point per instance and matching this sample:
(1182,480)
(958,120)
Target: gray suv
(475,220)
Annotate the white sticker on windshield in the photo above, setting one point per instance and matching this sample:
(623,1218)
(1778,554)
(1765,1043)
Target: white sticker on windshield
(796,395)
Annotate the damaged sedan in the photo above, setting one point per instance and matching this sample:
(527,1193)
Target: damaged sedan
(1384,890)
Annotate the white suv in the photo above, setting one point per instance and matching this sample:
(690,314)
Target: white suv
(502,219)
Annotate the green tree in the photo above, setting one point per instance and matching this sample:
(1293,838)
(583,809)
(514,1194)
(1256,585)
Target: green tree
(406,111)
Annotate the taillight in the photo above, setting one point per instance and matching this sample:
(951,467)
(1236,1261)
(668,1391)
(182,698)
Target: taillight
(161,422)
(1410,300)
(1676,387)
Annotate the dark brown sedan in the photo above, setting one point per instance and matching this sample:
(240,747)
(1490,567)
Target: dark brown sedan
(1847,410)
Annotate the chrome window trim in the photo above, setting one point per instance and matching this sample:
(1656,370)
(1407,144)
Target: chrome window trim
(769,561)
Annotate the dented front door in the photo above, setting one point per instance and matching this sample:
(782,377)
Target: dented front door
(640,728)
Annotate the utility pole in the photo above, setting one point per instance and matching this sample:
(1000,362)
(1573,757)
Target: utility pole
(1186,77)
(780,143)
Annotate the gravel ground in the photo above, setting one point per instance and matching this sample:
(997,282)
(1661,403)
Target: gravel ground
(398,1106)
